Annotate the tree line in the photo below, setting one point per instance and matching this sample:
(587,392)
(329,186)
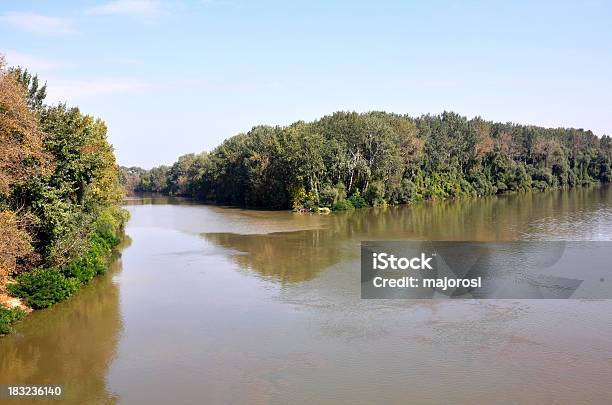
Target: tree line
(350,160)
(60,195)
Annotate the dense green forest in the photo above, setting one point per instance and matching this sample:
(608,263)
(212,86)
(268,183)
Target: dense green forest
(60,196)
(350,160)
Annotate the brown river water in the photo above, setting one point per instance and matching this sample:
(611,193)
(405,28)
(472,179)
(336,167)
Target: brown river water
(212,305)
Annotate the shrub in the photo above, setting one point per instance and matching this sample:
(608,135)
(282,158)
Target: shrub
(467,188)
(7,317)
(481,183)
(343,205)
(80,271)
(303,200)
(375,193)
(44,287)
(95,261)
(542,176)
(561,172)
(521,180)
(109,224)
(402,193)
(329,195)
(357,200)
(540,185)
(501,187)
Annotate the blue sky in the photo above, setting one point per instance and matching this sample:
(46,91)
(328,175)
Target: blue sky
(180,76)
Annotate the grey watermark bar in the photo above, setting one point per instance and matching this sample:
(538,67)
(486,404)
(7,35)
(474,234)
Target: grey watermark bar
(482,270)
(31,391)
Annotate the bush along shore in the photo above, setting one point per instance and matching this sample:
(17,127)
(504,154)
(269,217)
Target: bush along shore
(60,197)
(43,287)
(348,160)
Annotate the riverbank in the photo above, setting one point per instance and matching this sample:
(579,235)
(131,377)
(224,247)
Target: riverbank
(11,311)
(60,197)
(164,198)
(45,286)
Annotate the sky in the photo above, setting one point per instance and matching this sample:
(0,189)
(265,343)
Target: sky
(175,77)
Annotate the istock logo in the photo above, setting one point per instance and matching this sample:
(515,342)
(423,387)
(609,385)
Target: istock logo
(384,261)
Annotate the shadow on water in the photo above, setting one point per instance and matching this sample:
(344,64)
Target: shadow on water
(297,256)
(71,344)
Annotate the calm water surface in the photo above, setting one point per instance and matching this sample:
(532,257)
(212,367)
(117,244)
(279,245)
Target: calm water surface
(219,305)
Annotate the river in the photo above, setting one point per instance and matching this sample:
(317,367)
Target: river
(222,305)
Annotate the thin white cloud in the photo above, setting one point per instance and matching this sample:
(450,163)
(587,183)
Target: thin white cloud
(38,24)
(62,89)
(31,62)
(69,90)
(131,8)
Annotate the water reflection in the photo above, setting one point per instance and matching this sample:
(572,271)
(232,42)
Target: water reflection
(71,344)
(300,255)
(155,199)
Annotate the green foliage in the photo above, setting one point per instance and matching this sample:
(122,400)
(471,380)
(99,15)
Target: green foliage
(407,192)
(36,93)
(9,316)
(95,260)
(85,268)
(304,201)
(109,225)
(375,194)
(84,182)
(343,205)
(379,158)
(357,201)
(183,175)
(44,287)
(328,196)
(542,177)
(68,200)
(154,180)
